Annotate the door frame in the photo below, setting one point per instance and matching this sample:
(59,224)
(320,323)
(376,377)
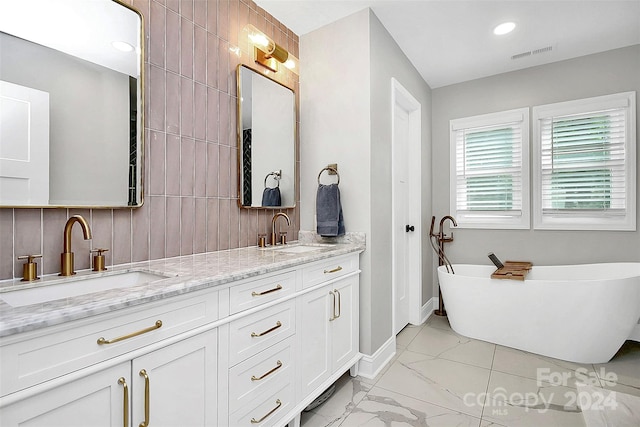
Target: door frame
(403,98)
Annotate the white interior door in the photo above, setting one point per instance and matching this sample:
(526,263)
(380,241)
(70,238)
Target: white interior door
(401,217)
(406,241)
(24,145)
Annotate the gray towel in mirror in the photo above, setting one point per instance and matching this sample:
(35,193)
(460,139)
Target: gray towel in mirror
(271,197)
(330,221)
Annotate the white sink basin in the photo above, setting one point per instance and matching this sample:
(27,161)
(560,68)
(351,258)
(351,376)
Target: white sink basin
(298,249)
(77,287)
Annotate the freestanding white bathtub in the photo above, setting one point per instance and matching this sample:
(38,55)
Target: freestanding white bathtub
(579,313)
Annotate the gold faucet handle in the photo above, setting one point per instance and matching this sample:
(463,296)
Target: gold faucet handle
(98,259)
(30,268)
(30,258)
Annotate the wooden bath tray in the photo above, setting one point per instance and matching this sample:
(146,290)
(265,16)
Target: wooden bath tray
(513,270)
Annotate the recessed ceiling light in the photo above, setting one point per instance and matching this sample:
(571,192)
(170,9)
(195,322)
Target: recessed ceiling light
(122,46)
(504,28)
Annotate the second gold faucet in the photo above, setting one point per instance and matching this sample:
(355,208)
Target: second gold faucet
(66,258)
(274,239)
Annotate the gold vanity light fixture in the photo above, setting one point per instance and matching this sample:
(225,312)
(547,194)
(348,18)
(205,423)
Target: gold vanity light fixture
(268,53)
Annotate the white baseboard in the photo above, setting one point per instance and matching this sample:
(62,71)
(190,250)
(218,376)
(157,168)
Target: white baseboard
(427,309)
(370,366)
(635,333)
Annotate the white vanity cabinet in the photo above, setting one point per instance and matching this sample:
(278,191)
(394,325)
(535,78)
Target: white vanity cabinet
(252,352)
(328,332)
(177,385)
(173,386)
(96,400)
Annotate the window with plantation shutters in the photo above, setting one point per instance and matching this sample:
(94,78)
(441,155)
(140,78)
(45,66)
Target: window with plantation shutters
(489,171)
(585,164)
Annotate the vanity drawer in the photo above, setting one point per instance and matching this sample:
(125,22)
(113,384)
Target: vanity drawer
(329,269)
(257,292)
(253,333)
(266,411)
(262,374)
(59,350)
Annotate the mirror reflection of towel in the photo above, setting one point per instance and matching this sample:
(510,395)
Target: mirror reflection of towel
(329,211)
(271,197)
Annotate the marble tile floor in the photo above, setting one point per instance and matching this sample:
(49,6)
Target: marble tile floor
(439,378)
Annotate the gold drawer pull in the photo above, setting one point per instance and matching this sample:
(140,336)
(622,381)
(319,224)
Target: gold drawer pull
(257,294)
(338,268)
(145,423)
(279,365)
(125,404)
(278,324)
(158,325)
(278,405)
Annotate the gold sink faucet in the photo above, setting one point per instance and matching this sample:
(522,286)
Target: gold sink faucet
(274,239)
(66,258)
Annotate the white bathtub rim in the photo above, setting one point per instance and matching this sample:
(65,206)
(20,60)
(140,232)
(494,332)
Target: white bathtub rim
(491,269)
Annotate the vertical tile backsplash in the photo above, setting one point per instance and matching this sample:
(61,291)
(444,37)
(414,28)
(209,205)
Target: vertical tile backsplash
(191,201)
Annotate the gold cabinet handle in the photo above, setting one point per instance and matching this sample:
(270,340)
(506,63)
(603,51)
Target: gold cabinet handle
(339,298)
(278,366)
(158,325)
(335,270)
(145,423)
(125,405)
(278,405)
(257,294)
(333,307)
(278,324)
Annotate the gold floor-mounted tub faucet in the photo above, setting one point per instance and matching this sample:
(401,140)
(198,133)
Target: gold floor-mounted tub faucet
(66,258)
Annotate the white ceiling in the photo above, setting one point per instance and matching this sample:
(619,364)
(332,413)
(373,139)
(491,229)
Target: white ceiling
(451,41)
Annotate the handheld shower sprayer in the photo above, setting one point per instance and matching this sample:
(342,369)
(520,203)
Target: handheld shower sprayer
(494,259)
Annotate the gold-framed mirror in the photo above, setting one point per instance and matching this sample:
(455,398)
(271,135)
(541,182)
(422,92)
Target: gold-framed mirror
(71,104)
(266,142)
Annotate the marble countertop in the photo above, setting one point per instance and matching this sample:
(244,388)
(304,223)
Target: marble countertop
(184,274)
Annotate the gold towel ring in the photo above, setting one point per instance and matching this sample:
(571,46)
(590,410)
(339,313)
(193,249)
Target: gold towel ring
(329,169)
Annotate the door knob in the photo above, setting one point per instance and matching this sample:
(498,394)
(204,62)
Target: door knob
(409,228)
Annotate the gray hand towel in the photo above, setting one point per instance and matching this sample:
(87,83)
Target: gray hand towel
(329,211)
(271,197)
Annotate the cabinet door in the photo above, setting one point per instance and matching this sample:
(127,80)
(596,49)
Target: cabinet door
(344,329)
(97,400)
(176,385)
(314,338)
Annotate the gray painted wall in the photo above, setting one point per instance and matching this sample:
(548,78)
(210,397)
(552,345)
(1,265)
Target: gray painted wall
(387,62)
(335,128)
(345,110)
(599,74)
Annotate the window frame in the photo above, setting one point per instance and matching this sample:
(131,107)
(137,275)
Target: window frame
(587,219)
(492,219)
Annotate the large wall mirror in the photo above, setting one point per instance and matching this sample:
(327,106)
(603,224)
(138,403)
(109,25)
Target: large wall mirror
(71,104)
(266,141)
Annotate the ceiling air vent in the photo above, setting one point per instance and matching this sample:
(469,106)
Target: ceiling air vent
(532,52)
(521,55)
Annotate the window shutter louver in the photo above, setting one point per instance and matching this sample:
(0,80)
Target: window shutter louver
(489,169)
(489,178)
(583,163)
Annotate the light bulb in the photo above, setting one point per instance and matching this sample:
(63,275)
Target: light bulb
(504,28)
